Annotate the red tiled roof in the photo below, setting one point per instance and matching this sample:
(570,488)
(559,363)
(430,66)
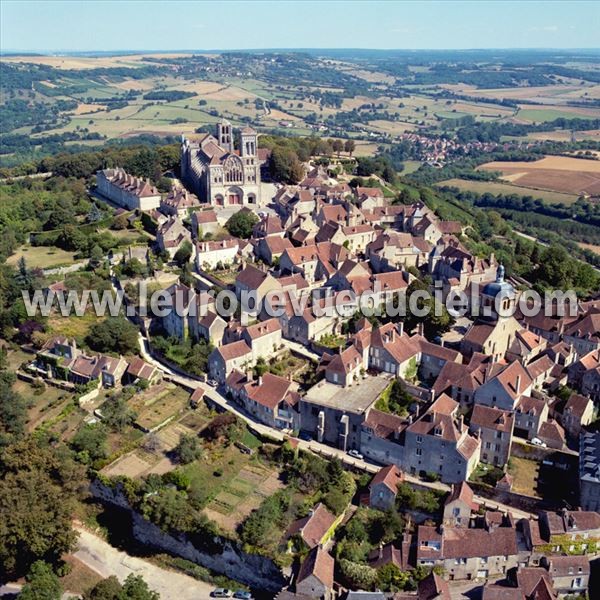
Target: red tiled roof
(492,418)
(269,390)
(313,528)
(319,563)
(234,350)
(384,425)
(463,492)
(390,476)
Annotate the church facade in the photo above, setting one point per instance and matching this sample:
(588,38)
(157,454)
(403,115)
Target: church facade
(219,174)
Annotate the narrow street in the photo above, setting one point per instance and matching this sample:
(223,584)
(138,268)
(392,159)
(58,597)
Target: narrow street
(314,446)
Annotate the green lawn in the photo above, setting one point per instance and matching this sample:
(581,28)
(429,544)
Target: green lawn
(44,257)
(539,115)
(499,187)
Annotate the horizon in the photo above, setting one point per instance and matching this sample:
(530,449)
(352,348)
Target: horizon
(128,51)
(32,26)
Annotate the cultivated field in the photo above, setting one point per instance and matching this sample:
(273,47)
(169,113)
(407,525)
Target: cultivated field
(554,173)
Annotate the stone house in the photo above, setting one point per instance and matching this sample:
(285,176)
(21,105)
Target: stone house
(369,198)
(204,222)
(179,202)
(577,413)
(126,190)
(270,249)
(530,413)
(315,262)
(111,370)
(315,578)
(552,434)
(381,437)
(272,400)
(210,255)
(251,280)
(264,338)
(171,235)
(211,328)
(139,370)
(384,487)
(570,574)
(391,250)
(178,321)
(504,389)
(570,532)
(343,368)
(584,375)
(494,427)
(466,553)
(459,506)
(314,529)
(440,443)
(584,334)
(224,359)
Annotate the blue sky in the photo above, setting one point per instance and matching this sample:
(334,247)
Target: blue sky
(160,25)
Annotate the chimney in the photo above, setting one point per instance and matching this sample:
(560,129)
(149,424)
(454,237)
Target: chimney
(380,550)
(518,384)
(393,334)
(401,328)
(420,328)
(260,380)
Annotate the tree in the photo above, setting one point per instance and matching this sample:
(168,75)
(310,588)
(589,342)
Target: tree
(337,146)
(114,334)
(188,449)
(134,588)
(285,166)
(349,146)
(96,256)
(95,214)
(241,223)
(42,583)
(184,252)
(391,579)
(38,488)
(13,410)
(358,575)
(90,442)
(106,589)
(117,413)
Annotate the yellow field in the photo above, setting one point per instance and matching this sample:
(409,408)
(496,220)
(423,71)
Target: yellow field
(83,109)
(555,173)
(83,62)
(559,163)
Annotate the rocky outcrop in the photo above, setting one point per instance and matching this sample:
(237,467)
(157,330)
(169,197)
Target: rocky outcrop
(218,554)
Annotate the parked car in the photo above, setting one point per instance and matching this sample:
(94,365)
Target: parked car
(305,436)
(221,593)
(355,454)
(243,595)
(537,442)
(212,382)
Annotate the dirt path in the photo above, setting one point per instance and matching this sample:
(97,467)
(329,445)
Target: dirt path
(101,557)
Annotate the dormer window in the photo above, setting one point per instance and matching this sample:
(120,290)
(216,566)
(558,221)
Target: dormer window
(437,431)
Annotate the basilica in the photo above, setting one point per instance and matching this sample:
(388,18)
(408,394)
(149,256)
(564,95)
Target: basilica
(220,174)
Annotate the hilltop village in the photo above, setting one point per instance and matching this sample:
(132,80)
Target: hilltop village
(434,417)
